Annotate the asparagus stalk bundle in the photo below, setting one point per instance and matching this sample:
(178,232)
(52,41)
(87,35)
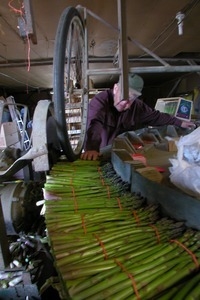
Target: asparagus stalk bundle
(188,289)
(108,244)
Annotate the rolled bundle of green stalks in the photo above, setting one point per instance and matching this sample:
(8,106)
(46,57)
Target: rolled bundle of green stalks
(108,244)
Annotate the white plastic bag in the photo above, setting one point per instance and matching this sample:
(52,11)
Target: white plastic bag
(185,170)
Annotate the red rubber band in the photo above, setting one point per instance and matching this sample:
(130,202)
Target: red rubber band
(83,223)
(136,217)
(101,177)
(119,203)
(129,276)
(156,232)
(108,191)
(102,181)
(75,200)
(99,171)
(102,246)
(188,251)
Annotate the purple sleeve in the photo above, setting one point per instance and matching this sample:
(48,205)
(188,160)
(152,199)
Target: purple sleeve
(152,117)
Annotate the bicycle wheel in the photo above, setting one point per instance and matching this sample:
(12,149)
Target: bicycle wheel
(70,83)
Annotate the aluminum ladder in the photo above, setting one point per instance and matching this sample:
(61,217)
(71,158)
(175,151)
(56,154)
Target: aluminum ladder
(21,122)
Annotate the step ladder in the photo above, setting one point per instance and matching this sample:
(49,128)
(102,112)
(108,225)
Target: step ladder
(21,122)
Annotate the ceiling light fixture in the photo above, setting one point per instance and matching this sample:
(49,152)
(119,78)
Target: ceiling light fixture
(180,16)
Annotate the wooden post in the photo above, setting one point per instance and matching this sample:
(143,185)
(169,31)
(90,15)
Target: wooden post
(123,53)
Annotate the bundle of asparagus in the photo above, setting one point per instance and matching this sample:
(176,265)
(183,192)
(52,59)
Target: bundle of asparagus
(108,244)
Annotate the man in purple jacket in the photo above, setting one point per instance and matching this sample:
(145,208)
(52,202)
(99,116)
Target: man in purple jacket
(109,116)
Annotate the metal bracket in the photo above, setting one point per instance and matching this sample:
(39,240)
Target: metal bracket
(39,136)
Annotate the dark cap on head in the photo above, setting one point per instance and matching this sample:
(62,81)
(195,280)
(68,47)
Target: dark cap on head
(135,83)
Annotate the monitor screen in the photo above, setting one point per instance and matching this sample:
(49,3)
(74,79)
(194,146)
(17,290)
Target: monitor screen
(184,109)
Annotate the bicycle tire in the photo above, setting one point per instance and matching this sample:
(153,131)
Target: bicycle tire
(70,84)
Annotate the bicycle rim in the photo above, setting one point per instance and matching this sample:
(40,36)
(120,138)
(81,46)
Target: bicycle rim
(70,83)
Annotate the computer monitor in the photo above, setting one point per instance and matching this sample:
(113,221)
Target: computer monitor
(176,106)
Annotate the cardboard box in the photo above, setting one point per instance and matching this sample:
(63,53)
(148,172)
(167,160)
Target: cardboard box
(172,144)
(151,173)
